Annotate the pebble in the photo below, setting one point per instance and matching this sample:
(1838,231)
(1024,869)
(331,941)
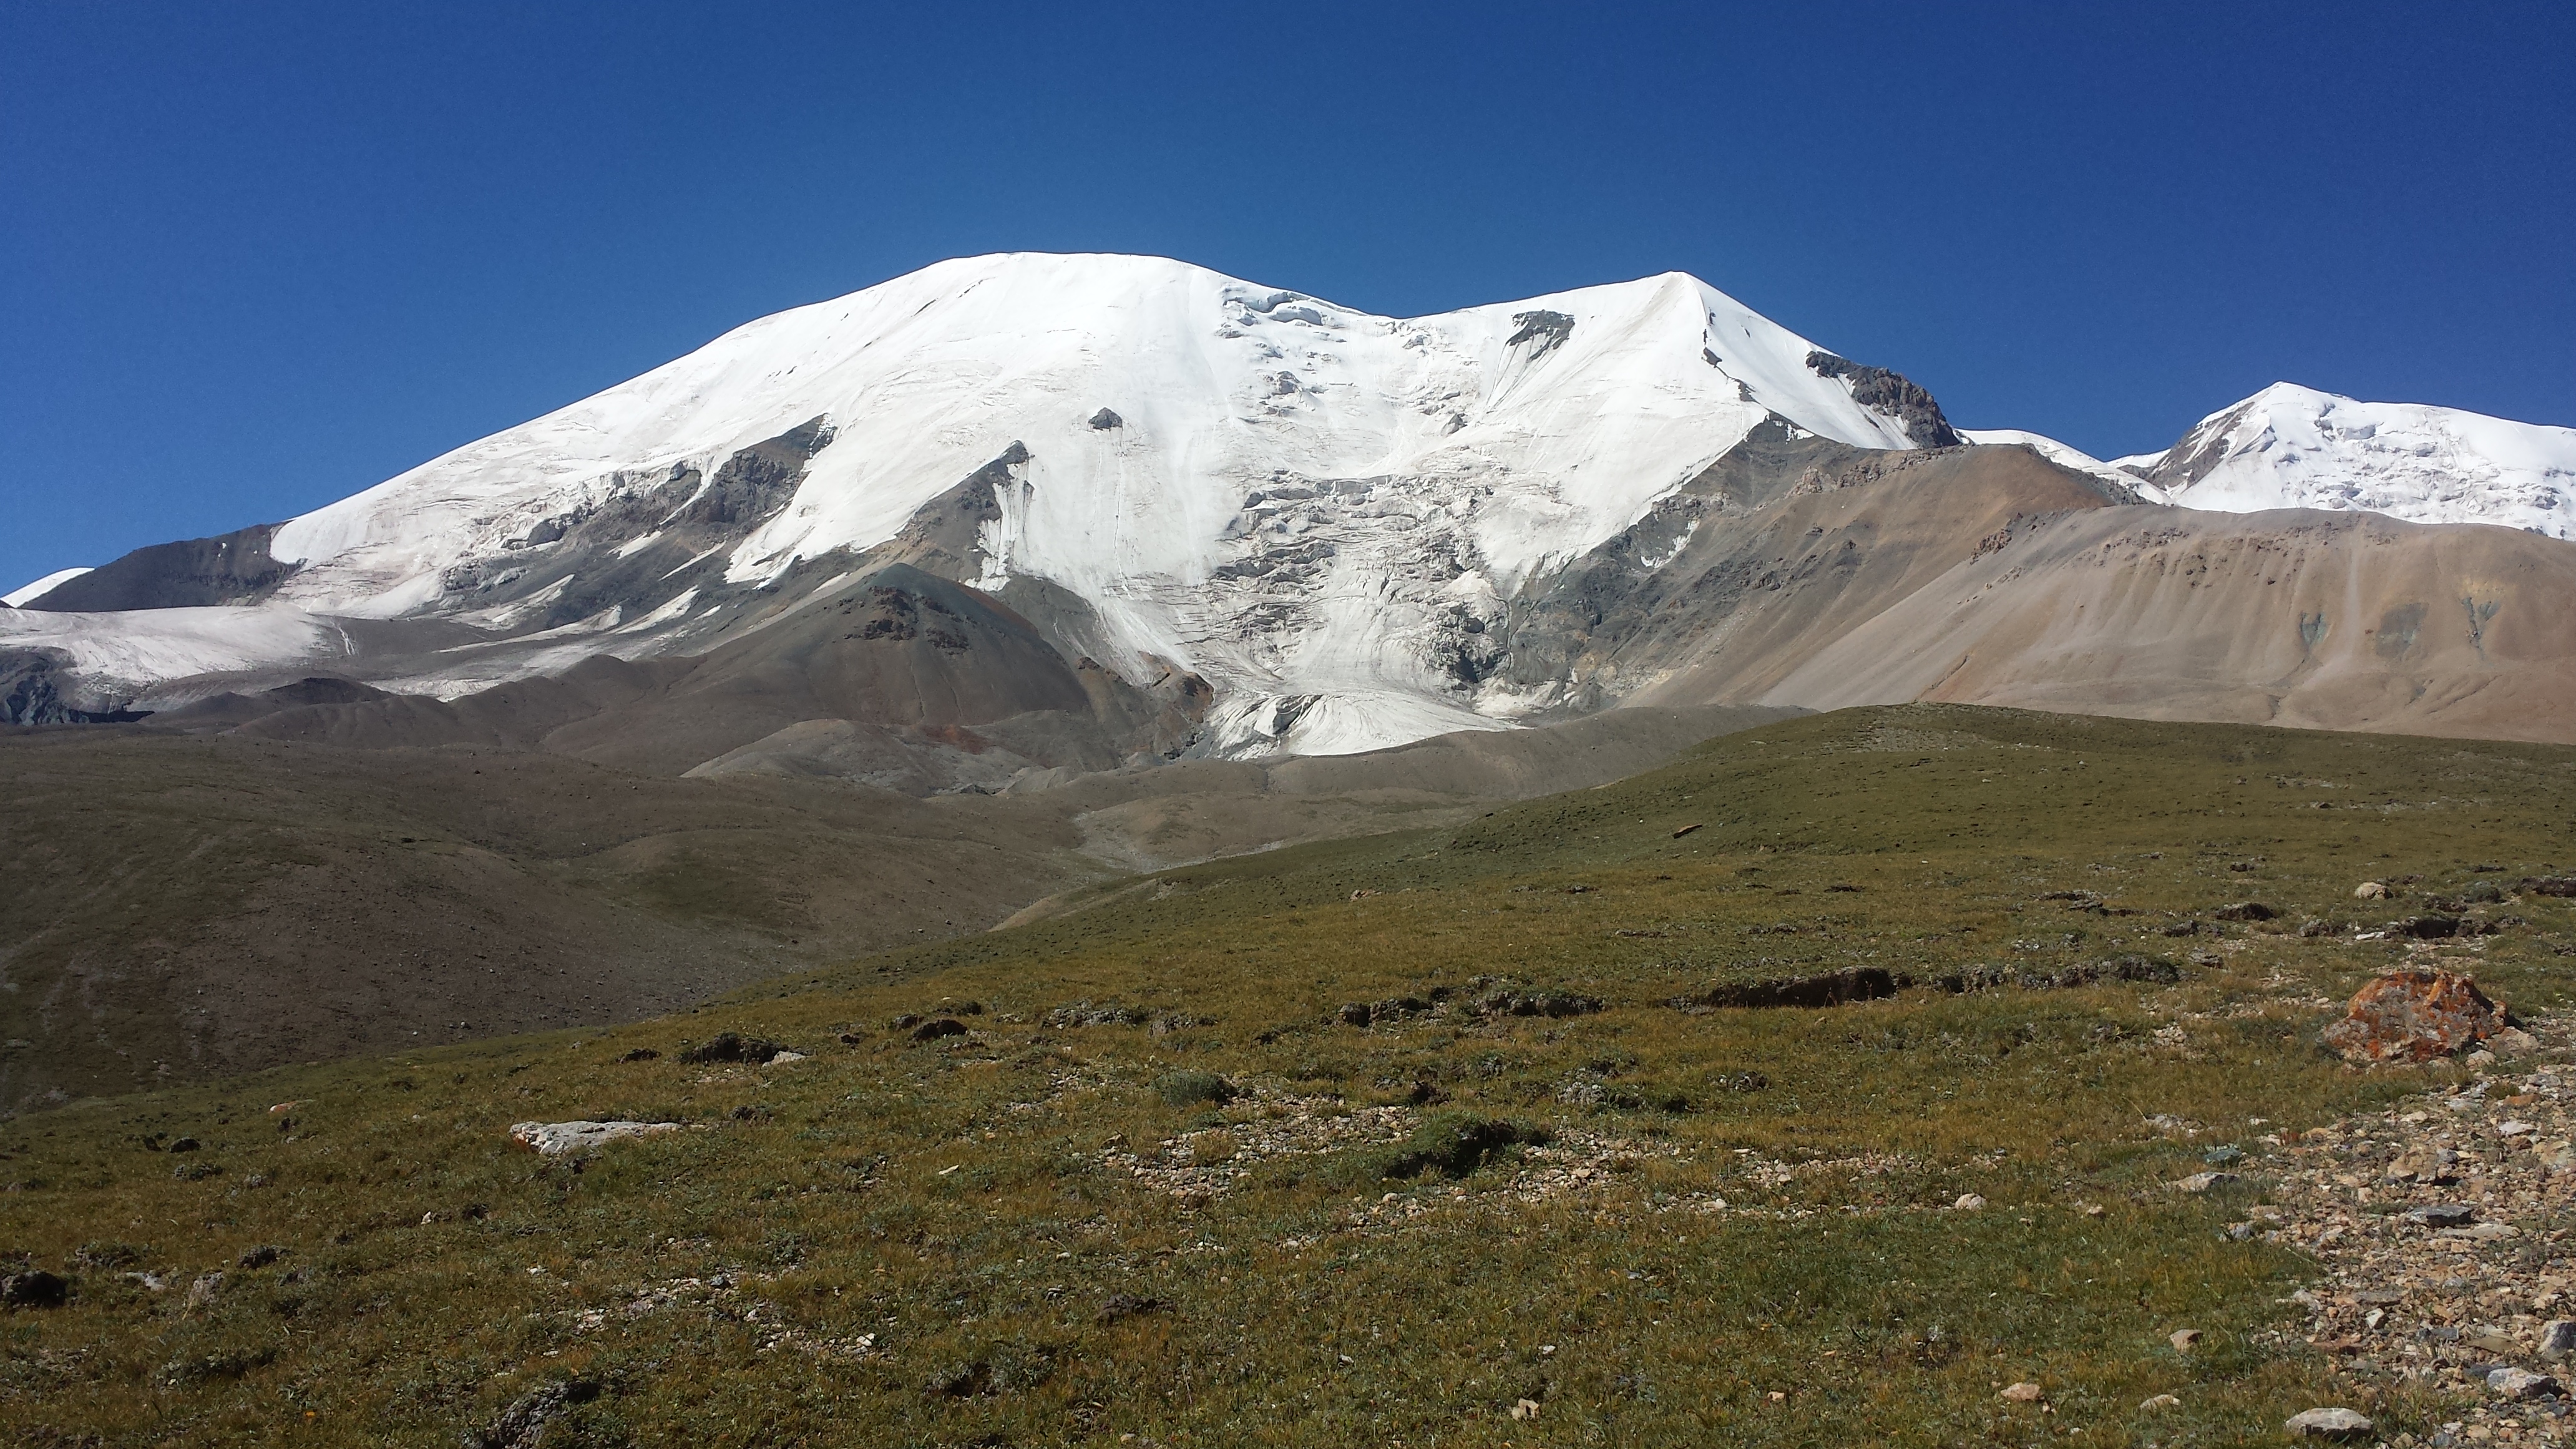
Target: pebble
(2184,1340)
(2021,1393)
(1969,1202)
(2204,1181)
(2160,1403)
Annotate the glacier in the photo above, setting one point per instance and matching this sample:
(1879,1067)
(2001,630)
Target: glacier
(2295,447)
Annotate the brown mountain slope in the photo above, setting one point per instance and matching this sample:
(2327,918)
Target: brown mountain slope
(2333,621)
(904,654)
(1781,547)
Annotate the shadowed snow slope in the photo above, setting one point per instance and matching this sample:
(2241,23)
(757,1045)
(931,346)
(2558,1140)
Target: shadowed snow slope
(2294,447)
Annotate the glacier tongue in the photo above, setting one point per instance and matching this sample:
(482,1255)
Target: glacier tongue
(2294,447)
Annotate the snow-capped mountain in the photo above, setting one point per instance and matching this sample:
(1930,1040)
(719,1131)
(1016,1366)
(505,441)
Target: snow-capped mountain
(1296,500)
(2294,447)
(1013,516)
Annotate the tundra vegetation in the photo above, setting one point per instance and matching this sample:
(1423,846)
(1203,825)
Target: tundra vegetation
(1435,1137)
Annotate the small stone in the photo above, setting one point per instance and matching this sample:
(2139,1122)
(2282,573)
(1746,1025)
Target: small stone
(35,1288)
(2424,1164)
(784,1057)
(2370,890)
(2558,1338)
(2513,1041)
(2184,1340)
(2442,1215)
(2484,1232)
(1969,1202)
(203,1291)
(2520,1383)
(2227,1156)
(2160,1403)
(2327,1424)
(2021,1393)
(1528,1408)
(1354,1013)
(2204,1181)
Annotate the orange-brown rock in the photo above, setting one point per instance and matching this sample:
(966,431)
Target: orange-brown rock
(2414,1016)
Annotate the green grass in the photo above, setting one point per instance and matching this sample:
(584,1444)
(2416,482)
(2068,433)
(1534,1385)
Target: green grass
(1486,1208)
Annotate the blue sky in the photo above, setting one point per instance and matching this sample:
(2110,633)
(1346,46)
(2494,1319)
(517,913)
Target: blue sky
(256,257)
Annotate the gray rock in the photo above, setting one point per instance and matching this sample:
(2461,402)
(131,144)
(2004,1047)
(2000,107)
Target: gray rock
(2204,1181)
(2558,1338)
(2442,1215)
(555,1139)
(2327,1424)
(2521,1383)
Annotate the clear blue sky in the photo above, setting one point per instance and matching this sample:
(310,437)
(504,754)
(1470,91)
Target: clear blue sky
(255,257)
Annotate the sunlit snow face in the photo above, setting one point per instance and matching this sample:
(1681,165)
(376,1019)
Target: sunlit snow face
(1296,499)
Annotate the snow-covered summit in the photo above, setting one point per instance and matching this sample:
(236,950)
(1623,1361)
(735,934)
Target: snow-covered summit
(1571,425)
(2295,447)
(1303,503)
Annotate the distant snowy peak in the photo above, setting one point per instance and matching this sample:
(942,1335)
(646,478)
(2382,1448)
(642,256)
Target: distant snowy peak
(41,587)
(2294,447)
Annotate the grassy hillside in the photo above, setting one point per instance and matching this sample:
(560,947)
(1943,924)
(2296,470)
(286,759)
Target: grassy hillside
(1161,1182)
(190,907)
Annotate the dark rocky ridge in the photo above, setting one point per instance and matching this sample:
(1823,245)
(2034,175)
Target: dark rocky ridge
(1891,393)
(1777,548)
(228,568)
(33,684)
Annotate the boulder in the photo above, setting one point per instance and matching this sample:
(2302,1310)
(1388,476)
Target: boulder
(2520,1383)
(35,1288)
(2328,1424)
(556,1139)
(2414,1016)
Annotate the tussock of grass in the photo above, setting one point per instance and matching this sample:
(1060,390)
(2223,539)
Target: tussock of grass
(1643,1217)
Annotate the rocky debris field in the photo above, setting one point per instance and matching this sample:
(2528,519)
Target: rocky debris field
(2440,1226)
